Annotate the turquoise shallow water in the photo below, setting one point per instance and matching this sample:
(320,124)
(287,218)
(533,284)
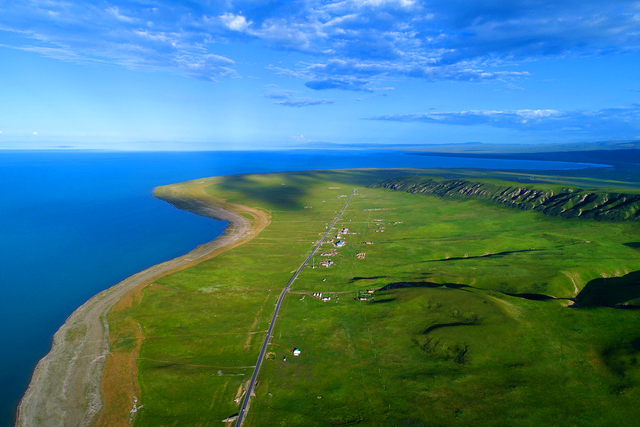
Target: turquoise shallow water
(74,223)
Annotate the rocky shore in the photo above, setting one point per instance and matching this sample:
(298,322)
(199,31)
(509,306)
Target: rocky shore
(65,387)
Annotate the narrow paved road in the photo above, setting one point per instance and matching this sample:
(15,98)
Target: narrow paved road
(245,402)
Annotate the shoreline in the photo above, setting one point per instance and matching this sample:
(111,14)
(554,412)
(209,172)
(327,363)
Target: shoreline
(65,388)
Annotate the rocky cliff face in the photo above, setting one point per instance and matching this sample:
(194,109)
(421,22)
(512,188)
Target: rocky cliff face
(565,202)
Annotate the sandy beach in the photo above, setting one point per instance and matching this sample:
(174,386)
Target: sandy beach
(65,387)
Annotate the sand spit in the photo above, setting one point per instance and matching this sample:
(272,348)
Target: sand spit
(65,387)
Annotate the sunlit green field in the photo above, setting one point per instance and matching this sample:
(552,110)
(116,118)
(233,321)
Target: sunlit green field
(463,327)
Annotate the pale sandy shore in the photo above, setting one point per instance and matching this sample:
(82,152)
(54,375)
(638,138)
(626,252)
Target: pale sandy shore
(65,387)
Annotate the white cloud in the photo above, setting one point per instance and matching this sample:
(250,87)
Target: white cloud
(618,121)
(304,102)
(285,98)
(367,75)
(35,133)
(61,54)
(234,22)
(355,44)
(115,12)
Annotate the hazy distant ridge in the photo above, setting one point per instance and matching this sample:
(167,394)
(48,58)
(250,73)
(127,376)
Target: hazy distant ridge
(567,202)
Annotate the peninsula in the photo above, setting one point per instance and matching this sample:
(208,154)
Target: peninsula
(65,388)
(431,298)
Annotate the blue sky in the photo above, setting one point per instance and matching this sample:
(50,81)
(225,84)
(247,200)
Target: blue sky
(155,74)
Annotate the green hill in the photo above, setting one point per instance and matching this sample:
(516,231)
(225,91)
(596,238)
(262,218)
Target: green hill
(554,200)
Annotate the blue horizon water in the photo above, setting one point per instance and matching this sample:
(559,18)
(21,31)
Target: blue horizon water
(73,223)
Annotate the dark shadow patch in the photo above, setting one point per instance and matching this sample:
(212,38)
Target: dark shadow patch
(632,245)
(355,279)
(466,288)
(626,306)
(164,366)
(610,292)
(490,256)
(623,357)
(532,297)
(273,194)
(299,184)
(445,325)
(383,301)
(399,285)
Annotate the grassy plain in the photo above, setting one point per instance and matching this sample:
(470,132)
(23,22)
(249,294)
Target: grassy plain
(445,344)
(463,330)
(202,328)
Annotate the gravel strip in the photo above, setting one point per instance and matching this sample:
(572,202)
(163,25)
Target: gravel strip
(65,387)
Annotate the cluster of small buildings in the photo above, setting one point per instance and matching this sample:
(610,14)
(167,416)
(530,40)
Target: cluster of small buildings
(330,253)
(320,297)
(379,223)
(365,295)
(342,232)
(338,242)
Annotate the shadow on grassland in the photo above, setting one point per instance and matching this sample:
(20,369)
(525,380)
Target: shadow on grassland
(496,255)
(611,292)
(384,301)
(465,288)
(622,358)
(267,188)
(268,192)
(446,325)
(356,279)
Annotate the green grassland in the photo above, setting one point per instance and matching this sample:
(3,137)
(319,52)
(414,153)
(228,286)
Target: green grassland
(613,178)
(553,200)
(463,328)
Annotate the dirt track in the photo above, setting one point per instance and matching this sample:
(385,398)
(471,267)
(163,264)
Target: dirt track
(65,387)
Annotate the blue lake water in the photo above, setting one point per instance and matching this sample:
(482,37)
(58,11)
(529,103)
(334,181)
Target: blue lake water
(73,223)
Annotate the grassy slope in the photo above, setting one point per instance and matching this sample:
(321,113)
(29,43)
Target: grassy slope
(554,200)
(620,178)
(420,355)
(234,293)
(443,356)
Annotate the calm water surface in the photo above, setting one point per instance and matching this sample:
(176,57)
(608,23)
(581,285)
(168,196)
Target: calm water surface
(74,223)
